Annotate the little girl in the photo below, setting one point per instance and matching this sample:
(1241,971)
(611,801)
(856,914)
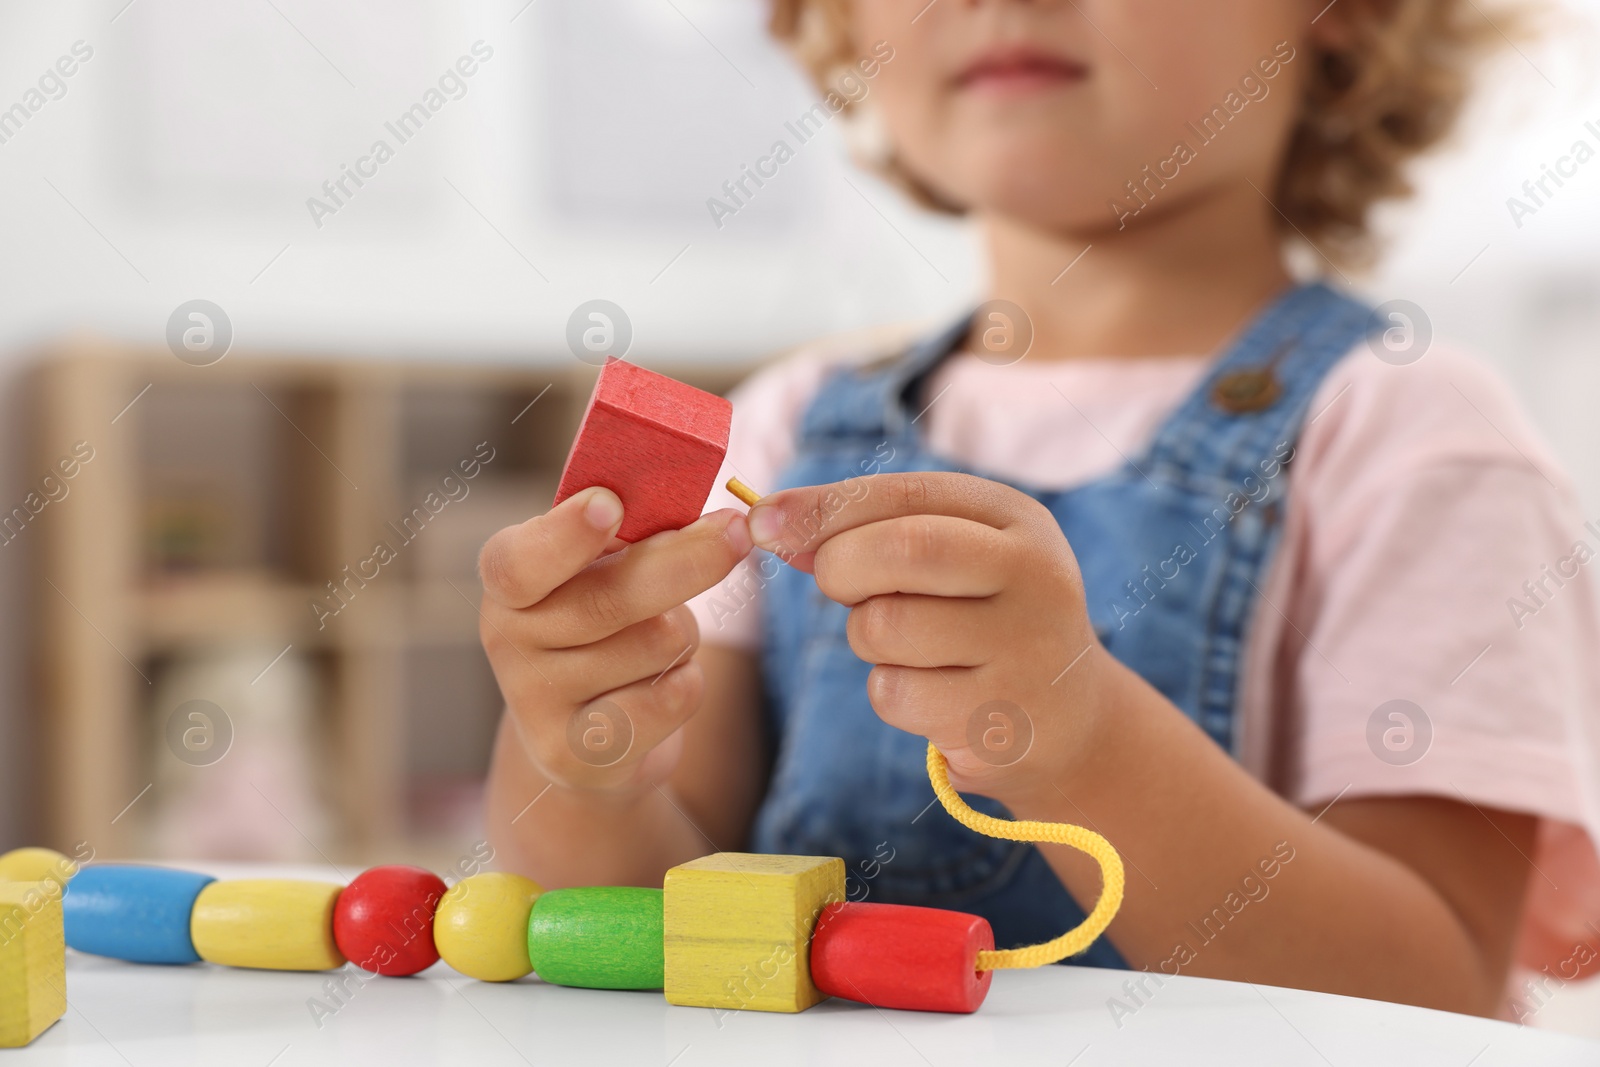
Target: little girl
(1291,607)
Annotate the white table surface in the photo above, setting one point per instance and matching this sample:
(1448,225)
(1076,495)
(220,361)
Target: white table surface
(129,1016)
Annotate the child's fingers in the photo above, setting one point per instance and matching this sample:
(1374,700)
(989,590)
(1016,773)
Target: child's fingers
(792,521)
(932,702)
(521,564)
(925,631)
(641,652)
(601,743)
(651,577)
(936,555)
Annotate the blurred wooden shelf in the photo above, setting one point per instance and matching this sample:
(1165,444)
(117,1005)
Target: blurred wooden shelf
(443,611)
(185,610)
(223,502)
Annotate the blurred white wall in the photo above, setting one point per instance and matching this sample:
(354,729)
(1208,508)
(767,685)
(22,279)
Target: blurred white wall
(178,162)
(577,165)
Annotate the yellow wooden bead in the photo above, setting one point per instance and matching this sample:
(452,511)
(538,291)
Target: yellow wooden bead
(33,962)
(481,927)
(36,865)
(738,929)
(271,923)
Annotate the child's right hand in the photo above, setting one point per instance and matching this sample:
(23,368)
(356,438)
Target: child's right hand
(594,647)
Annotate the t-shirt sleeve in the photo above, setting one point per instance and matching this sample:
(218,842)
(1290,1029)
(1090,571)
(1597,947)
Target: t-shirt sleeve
(767,408)
(1438,613)
(1445,564)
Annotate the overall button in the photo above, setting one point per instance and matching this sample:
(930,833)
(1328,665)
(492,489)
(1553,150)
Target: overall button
(1244,391)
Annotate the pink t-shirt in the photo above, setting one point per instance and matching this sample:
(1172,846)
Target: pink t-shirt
(1420,503)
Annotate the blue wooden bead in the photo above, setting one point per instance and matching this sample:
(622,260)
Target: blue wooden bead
(127,912)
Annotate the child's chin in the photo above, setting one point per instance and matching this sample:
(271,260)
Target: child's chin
(1043,199)
(1044,179)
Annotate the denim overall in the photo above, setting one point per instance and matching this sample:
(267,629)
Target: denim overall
(1172,547)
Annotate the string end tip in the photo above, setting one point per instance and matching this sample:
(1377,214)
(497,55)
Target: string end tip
(743,492)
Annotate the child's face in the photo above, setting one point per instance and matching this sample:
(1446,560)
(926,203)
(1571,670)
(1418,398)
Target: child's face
(1031,110)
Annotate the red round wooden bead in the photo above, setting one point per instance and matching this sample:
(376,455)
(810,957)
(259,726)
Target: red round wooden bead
(895,956)
(383,921)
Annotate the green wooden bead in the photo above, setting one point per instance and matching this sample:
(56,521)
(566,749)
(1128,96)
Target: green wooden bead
(600,937)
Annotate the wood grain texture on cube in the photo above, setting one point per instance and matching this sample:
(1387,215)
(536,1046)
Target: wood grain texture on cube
(33,961)
(738,929)
(275,924)
(655,442)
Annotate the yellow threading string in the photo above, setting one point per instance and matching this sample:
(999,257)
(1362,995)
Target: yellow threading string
(1104,853)
(1112,879)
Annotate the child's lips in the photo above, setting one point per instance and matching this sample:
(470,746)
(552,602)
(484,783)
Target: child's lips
(1020,70)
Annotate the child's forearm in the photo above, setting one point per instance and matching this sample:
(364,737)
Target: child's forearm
(1227,880)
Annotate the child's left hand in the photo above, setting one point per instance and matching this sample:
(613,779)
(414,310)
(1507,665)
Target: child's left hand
(967,598)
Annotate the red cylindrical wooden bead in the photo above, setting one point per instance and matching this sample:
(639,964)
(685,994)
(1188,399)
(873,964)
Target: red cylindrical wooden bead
(383,921)
(895,956)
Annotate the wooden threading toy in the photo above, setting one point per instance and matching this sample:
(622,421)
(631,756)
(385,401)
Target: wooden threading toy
(730,931)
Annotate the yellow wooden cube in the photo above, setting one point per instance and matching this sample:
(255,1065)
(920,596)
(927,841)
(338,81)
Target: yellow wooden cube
(272,923)
(738,929)
(33,961)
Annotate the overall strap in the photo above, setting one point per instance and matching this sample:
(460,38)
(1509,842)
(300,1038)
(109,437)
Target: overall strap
(1226,446)
(1254,399)
(872,401)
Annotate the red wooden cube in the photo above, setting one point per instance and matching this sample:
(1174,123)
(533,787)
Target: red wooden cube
(653,441)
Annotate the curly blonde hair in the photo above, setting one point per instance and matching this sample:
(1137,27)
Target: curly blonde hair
(1391,89)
